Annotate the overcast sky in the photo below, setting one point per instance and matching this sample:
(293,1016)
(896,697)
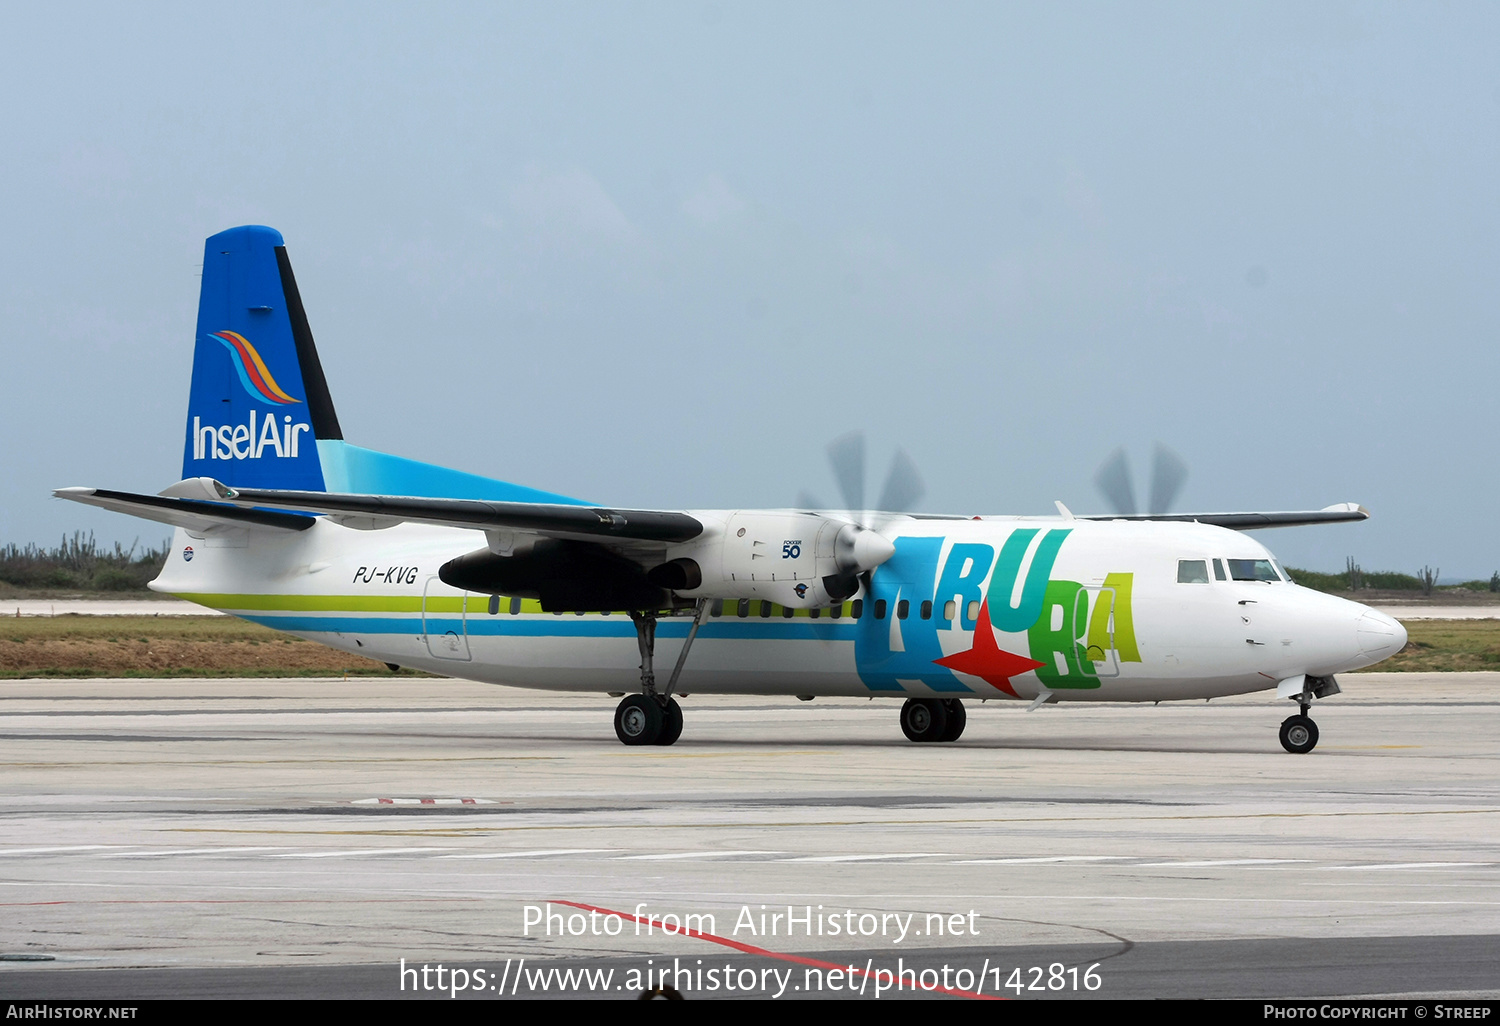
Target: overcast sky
(660,254)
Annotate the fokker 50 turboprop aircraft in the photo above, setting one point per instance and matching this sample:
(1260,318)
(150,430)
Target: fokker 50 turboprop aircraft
(280,521)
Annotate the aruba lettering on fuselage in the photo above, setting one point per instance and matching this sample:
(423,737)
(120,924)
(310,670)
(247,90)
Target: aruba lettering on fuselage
(1068,627)
(243,441)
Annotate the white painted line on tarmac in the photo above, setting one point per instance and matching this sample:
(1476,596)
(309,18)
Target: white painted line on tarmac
(664,857)
(357,851)
(868,858)
(59,849)
(1218,862)
(189,851)
(1412,865)
(1045,858)
(531,854)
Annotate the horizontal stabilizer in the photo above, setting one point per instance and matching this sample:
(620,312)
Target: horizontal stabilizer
(550,519)
(1339,513)
(194,515)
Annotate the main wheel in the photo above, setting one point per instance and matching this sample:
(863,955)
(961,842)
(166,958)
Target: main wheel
(1299,734)
(924,719)
(671,723)
(638,720)
(957,719)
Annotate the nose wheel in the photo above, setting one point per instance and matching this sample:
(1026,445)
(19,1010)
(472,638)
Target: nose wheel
(1299,734)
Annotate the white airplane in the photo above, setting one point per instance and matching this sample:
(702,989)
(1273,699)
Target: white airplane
(280,521)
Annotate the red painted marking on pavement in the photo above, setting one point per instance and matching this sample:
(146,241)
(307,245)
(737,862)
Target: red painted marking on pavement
(469,801)
(230,901)
(751,949)
(387,801)
(429,801)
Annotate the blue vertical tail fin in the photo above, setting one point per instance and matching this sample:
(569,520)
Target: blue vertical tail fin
(259,402)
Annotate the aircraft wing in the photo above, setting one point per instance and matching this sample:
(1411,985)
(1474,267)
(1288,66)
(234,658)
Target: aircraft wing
(196,515)
(553,520)
(1343,512)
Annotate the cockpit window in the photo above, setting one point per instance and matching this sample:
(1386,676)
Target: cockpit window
(1219,570)
(1192,571)
(1252,570)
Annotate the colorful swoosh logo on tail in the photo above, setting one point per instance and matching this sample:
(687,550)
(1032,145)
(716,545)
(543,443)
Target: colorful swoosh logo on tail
(252,369)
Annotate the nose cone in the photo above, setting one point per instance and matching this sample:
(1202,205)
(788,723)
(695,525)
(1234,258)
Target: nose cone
(1380,636)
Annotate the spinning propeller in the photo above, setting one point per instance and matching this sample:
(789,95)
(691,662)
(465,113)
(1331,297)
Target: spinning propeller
(860,546)
(1168,474)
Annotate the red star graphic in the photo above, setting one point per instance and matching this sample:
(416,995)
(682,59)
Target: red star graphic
(987,660)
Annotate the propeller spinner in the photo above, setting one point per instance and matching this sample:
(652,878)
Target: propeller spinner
(860,546)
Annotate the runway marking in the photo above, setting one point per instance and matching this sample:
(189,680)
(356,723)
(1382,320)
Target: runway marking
(923,820)
(868,858)
(424,801)
(189,851)
(57,849)
(529,854)
(357,851)
(1219,862)
(1044,858)
(1411,865)
(695,855)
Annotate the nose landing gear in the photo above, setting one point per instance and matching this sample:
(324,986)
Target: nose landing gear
(1299,734)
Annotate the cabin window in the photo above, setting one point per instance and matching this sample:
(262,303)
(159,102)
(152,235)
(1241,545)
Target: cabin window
(1219,570)
(950,609)
(765,609)
(1192,571)
(515,605)
(813,612)
(927,609)
(974,609)
(788,612)
(717,609)
(903,609)
(837,611)
(742,608)
(494,604)
(857,608)
(880,609)
(1252,570)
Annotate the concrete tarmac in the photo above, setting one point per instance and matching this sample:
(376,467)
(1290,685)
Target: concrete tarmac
(287,838)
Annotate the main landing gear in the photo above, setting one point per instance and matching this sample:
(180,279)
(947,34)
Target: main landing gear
(933,719)
(651,718)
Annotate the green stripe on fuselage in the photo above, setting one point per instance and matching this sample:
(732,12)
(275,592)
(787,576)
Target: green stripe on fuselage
(474,604)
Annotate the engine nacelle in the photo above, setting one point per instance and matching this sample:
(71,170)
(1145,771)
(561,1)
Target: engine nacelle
(801,560)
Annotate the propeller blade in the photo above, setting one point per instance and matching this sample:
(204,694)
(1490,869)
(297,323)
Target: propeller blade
(847,454)
(1113,479)
(1168,475)
(903,485)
